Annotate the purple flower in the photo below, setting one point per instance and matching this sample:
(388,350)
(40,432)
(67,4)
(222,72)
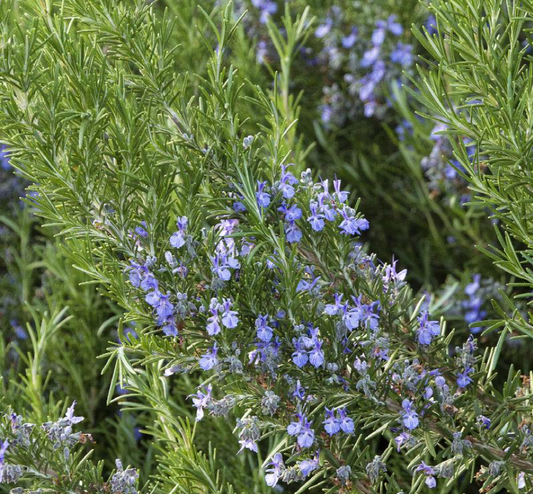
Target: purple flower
(334,309)
(213,323)
(141,231)
(427,330)
(332,424)
(340,195)
(302,429)
(403,54)
(200,400)
(349,41)
(346,423)
(70,414)
(209,360)
(264,331)
(316,219)
(324,29)
(352,225)
(409,417)
(370,56)
(393,26)
(286,183)
(308,466)
(229,317)
(3,451)
(292,233)
(299,356)
(177,239)
(484,421)
(316,355)
(463,379)
(401,440)
(263,199)
(378,36)
(275,470)
(291,214)
(429,472)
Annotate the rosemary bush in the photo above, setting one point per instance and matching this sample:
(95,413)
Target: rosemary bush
(182,238)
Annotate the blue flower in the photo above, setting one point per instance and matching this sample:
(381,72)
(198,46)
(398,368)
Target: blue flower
(378,36)
(299,391)
(339,195)
(427,330)
(266,8)
(177,239)
(229,317)
(332,424)
(463,379)
(149,282)
(352,225)
(275,470)
(292,233)
(337,307)
(3,450)
(201,400)
(308,466)
(137,272)
(286,182)
(409,417)
(169,328)
(400,440)
(346,423)
(429,472)
(430,24)
(264,331)
(70,417)
(304,285)
(316,219)
(263,199)
(403,54)
(302,429)
(349,41)
(394,27)
(209,359)
(316,355)
(370,56)
(299,356)
(161,304)
(484,421)
(324,29)
(140,230)
(222,265)
(4,157)
(239,207)
(213,323)
(291,214)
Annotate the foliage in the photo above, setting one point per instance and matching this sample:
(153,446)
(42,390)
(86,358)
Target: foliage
(168,163)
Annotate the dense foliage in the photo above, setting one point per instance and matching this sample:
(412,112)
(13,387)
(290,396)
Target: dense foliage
(195,299)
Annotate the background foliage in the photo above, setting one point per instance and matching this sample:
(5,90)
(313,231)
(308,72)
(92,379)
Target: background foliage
(104,101)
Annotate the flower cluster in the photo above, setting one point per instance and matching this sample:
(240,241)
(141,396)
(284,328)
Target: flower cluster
(441,167)
(345,339)
(362,61)
(34,444)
